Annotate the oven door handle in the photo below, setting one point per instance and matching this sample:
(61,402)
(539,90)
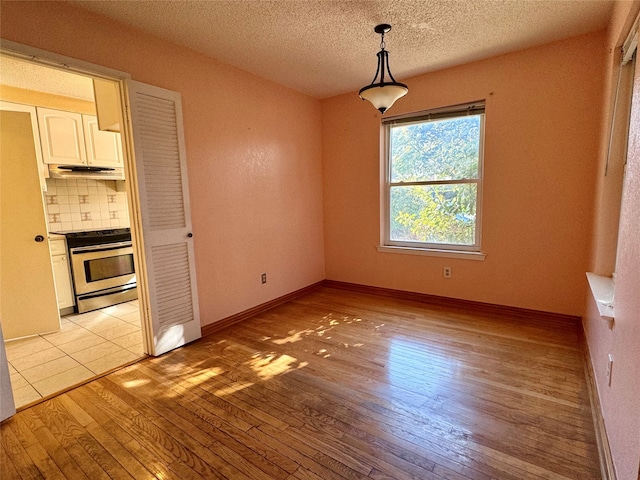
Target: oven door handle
(98,248)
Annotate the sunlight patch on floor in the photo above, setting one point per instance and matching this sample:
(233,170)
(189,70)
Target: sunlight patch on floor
(205,375)
(135,383)
(269,366)
(233,388)
(293,337)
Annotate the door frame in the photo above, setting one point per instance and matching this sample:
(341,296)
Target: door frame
(72,65)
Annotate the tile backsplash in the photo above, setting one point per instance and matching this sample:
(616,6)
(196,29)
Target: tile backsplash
(85,204)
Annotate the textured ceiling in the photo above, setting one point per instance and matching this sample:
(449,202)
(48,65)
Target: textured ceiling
(328,47)
(23,74)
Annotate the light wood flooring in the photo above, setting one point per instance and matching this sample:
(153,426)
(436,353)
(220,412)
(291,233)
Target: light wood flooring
(333,385)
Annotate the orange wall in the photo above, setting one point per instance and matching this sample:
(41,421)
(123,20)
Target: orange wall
(257,178)
(620,401)
(541,147)
(253,148)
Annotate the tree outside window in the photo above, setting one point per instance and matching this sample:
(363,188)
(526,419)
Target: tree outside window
(434,177)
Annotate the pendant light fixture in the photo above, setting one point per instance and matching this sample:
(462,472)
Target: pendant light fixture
(383,94)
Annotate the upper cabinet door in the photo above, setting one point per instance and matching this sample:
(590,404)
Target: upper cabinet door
(61,137)
(103,148)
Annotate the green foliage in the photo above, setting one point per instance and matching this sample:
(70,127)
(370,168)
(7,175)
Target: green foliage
(435,151)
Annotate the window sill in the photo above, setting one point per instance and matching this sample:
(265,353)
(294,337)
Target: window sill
(602,289)
(432,252)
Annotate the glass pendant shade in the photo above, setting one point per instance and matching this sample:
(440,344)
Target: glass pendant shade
(381,94)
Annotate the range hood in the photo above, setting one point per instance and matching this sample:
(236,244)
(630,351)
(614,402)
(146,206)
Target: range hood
(85,172)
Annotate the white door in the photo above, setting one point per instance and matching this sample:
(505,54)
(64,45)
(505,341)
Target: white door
(163,193)
(28,305)
(43,169)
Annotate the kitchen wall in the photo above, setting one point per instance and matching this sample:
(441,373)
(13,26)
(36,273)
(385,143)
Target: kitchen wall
(619,400)
(540,155)
(254,154)
(79,204)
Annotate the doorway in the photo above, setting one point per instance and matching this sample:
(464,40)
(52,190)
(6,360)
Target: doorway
(80,346)
(153,142)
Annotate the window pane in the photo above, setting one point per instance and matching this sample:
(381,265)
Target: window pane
(439,150)
(434,214)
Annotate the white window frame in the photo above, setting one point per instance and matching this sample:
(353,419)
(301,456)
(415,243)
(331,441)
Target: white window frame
(603,287)
(424,248)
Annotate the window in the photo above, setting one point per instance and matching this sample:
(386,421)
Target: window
(433,187)
(613,183)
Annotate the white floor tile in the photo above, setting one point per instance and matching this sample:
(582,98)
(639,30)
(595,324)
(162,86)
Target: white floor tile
(63,380)
(81,343)
(58,339)
(24,395)
(132,318)
(89,317)
(18,381)
(21,348)
(119,331)
(95,352)
(120,309)
(35,359)
(40,372)
(103,324)
(68,326)
(137,349)
(130,340)
(109,362)
(45,364)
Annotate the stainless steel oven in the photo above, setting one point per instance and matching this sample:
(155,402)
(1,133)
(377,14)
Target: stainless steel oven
(102,267)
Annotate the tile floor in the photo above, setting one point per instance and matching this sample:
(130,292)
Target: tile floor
(87,345)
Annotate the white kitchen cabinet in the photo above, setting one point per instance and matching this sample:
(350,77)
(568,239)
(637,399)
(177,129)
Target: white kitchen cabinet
(104,149)
(61,272)
(61,137)
(69,138)
(108,104)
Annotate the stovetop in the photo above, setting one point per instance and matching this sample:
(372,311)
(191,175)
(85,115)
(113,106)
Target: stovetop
(79,238)
(92,232)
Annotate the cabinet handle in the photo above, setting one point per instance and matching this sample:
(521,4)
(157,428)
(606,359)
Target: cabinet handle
(189,234)
(39,238)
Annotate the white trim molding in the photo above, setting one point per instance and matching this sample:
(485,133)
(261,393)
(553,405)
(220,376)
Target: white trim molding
(431,252)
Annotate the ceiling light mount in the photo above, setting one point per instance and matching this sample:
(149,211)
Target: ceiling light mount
(380,93)
(382,29)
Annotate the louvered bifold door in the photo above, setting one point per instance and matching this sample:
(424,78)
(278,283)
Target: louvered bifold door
(161,169)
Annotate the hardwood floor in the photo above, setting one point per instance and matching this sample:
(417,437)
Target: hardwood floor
(333,385)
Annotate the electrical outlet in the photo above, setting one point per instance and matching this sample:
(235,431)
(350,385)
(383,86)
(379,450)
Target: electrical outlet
(446,272)
(264,278)
(609,368)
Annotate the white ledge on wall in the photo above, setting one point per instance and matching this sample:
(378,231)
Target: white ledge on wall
(432,252)
(602,289)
